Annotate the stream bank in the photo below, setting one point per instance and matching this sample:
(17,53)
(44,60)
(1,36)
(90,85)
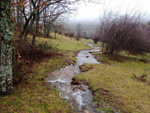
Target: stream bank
(78,95)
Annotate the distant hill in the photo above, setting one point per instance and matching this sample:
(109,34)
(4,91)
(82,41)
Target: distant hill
(89,25)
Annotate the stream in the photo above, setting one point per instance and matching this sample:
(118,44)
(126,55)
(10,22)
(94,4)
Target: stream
(79,96)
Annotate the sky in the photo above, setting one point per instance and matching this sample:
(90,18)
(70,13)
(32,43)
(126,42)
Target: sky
(95,11)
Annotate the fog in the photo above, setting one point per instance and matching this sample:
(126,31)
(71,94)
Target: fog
(95,11)
(89,14)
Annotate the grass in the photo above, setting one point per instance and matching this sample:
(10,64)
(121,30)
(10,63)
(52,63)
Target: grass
(98,44)
(114,84)
(64,42)
(35,94)
(34,97)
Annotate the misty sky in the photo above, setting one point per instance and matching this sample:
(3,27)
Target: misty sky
(95,11)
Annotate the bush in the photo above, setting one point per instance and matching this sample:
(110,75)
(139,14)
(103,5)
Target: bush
(123,33)
(71,34)
(77,38)
(96,38)
(66,34)
(60,32)
(25,56)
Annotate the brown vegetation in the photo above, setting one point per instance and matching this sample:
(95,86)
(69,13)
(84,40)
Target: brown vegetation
(25,55)
(124,33)
(96,38)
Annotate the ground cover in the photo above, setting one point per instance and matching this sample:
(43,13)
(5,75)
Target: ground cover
(63,42)
(120,82)
(33,94)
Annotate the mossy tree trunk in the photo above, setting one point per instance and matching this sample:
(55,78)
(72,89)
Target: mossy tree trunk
(6,83)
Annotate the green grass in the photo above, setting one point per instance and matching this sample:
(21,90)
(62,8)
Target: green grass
(35,95)
(64,43)
(113,84)
(98,44)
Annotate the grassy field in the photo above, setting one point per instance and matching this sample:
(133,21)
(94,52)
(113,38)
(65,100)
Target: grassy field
(64,43)
(35,95)
(120,82)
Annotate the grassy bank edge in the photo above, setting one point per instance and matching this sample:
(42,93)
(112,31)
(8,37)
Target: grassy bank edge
(114,85)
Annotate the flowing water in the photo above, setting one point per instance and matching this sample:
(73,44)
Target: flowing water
(79,96)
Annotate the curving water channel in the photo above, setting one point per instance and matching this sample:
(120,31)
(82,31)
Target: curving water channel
(79,96)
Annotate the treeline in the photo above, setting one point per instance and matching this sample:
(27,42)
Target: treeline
(38,15)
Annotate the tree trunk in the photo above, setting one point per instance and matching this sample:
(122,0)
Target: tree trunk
(29,28)
(48,28)
(44,20)
(102,47)
(26,34)
(24,29)
(18,14)
(21,21)
(45,27)
(37,29)
(6,82)
(25,26)
(55,35)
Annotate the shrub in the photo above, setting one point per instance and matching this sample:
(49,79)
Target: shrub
(77,38)
(123,33)
(59,32)
(71,34)
(25,55)
(66,34)
(96,38)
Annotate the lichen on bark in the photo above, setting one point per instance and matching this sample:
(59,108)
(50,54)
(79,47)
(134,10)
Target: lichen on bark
(6,34)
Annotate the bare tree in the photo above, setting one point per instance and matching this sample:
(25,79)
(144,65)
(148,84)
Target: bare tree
(37,7)
(79,30)
(123,33)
